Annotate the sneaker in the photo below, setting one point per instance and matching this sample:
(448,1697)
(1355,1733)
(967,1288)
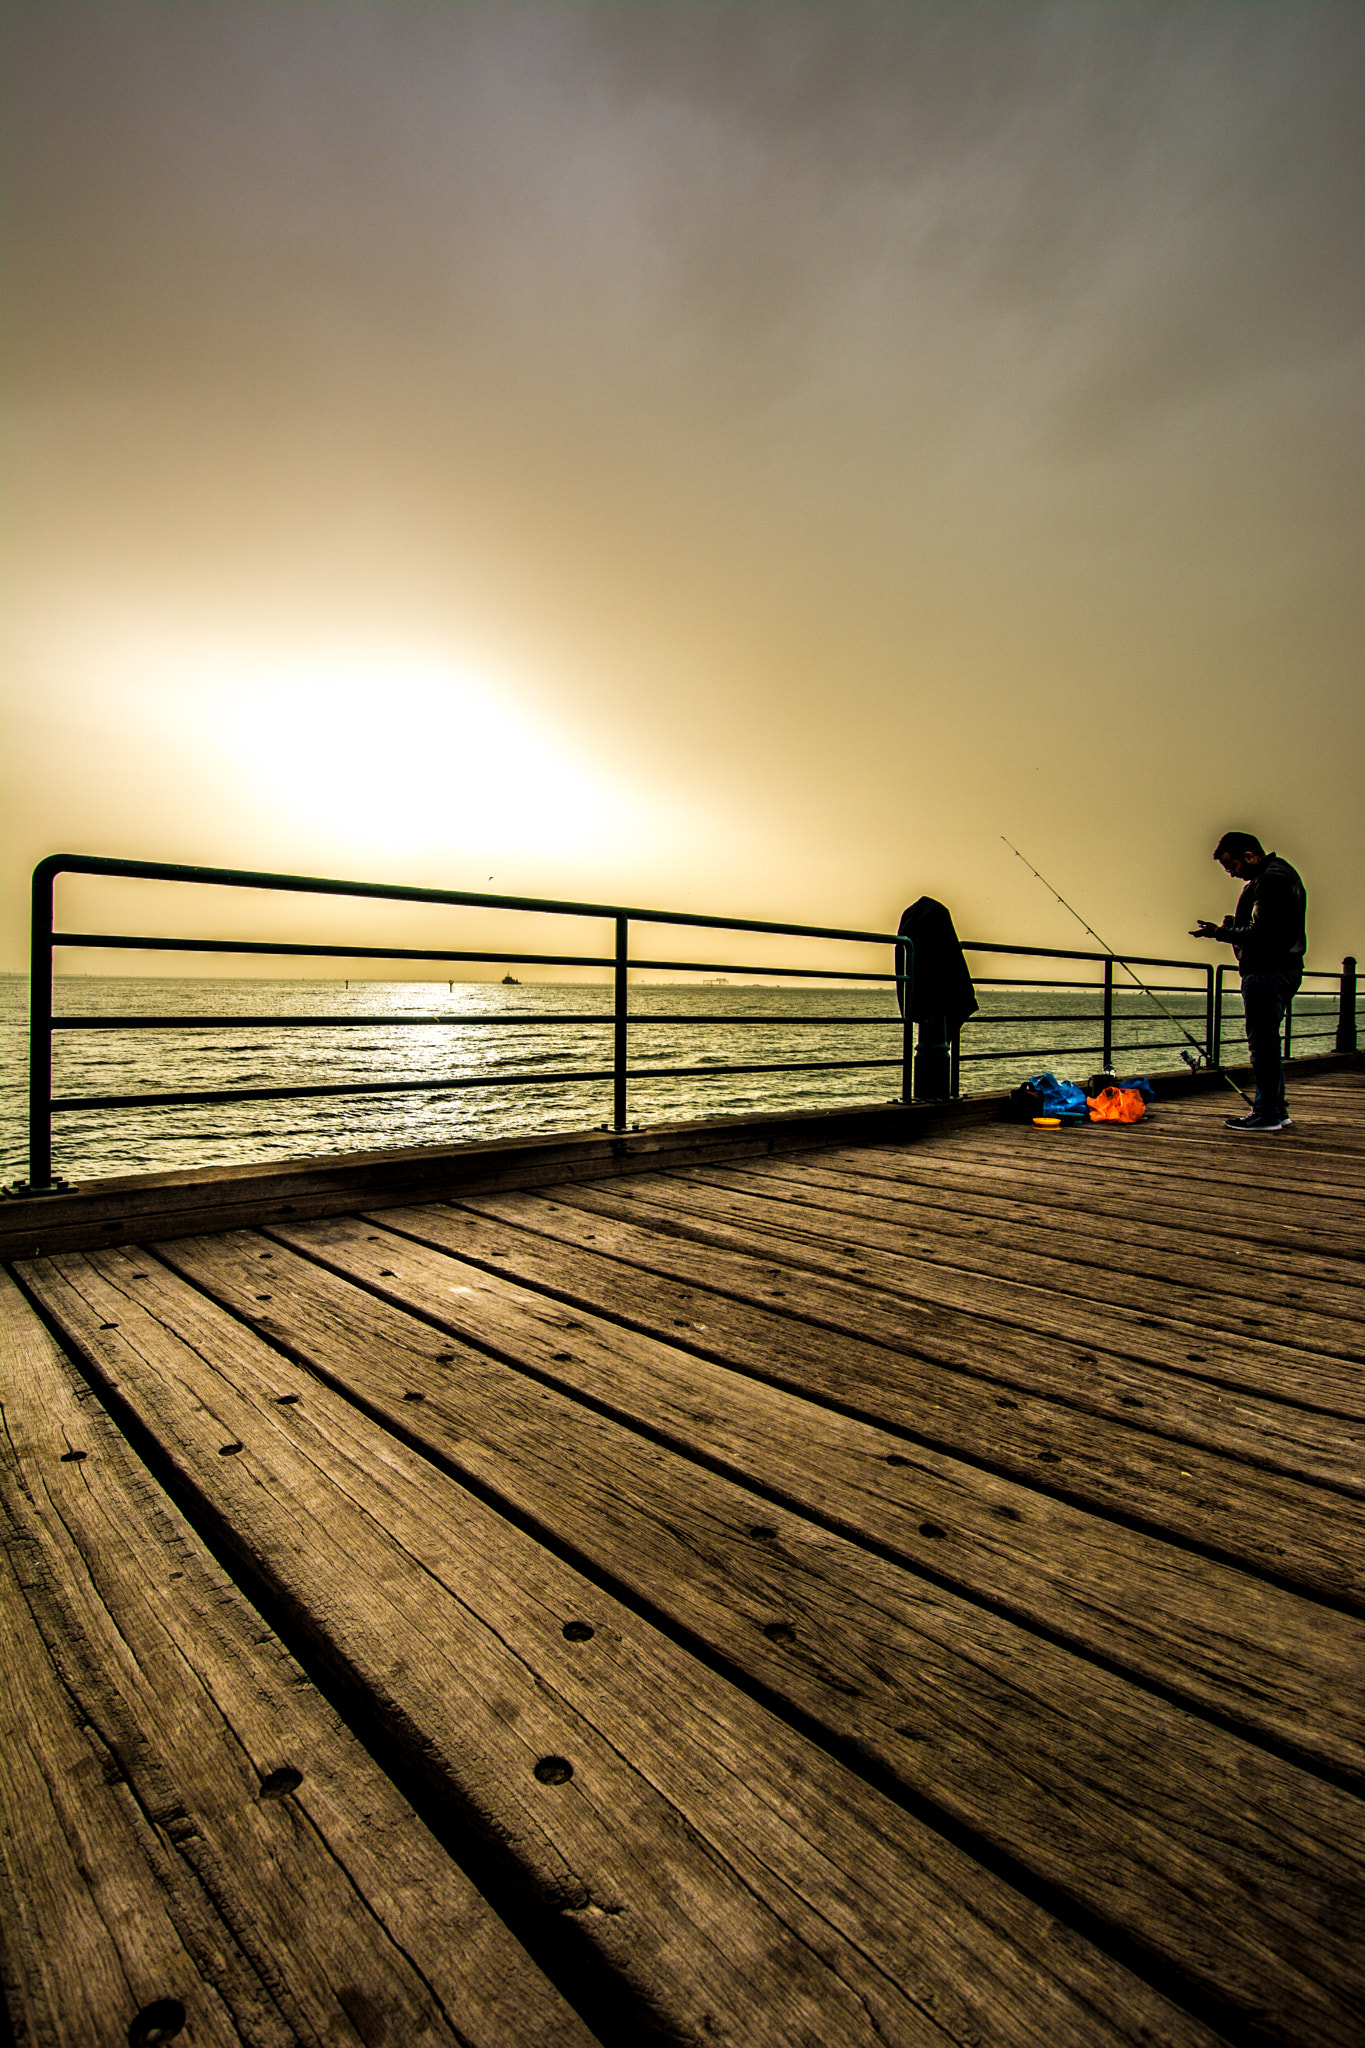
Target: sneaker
(1257,1125)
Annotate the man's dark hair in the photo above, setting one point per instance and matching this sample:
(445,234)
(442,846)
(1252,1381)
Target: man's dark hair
(1238,843)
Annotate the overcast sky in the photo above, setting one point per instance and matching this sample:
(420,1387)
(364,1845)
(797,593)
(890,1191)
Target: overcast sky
(741,457)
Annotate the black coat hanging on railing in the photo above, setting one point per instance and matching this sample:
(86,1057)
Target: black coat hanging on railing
(942,984)
(941,993)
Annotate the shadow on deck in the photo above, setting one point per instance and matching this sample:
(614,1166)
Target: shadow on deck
(892,1593)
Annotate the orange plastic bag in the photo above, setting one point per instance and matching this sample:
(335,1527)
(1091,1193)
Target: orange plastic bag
(1115,1106)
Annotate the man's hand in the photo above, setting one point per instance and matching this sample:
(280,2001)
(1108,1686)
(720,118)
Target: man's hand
(1205,930)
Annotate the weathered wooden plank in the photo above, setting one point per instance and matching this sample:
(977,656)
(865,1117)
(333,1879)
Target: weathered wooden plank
(1292,1166)
(980,1286)
(1267,1167)
(1103,1790)
(1082,1355)
(1321,1132)
(723,1192)
(348,1921)
(1158,1174)
(1325,1119)
(744,1887)
(1257,1655)
(95,1936)
(1090,1231)
(1333,1113)
(1196,1216)
(1184,1212)
(1270,1434)
(1083,1244)
(1255,1517)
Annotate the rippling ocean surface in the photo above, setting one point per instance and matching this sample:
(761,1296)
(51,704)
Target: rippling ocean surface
(427,1030)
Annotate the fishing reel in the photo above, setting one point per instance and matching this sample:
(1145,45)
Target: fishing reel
(1193,1060)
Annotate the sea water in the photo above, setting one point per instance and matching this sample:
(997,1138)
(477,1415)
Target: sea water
(524,1035)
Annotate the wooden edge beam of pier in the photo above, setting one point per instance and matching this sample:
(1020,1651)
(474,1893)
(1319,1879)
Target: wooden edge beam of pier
(86,1214)
(882,1577)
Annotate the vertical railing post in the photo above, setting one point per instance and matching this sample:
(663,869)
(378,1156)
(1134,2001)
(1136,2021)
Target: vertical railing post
(40,1032)
(905,990)
(1216,1035)
(1346,1007)
(1209,1053)
(620,1019)
(1108,1012)
(955,1061)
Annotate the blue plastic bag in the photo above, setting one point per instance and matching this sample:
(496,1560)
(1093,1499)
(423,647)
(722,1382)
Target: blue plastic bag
(1143,1086)
(1060,1098)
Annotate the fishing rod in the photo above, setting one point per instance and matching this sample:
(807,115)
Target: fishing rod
(1170,1014)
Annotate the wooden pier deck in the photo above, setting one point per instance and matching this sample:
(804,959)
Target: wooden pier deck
(893,1594)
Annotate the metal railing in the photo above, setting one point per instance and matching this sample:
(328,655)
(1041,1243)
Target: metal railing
(45,938)
(1342,1029)
(1110,1018)
(1343,1032)
(930,1070)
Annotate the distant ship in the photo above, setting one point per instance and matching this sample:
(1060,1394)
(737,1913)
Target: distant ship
(510,981)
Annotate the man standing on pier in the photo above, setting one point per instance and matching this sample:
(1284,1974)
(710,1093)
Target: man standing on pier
(1267,934)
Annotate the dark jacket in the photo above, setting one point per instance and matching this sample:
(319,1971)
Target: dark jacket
(942,986)
(1268,926)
